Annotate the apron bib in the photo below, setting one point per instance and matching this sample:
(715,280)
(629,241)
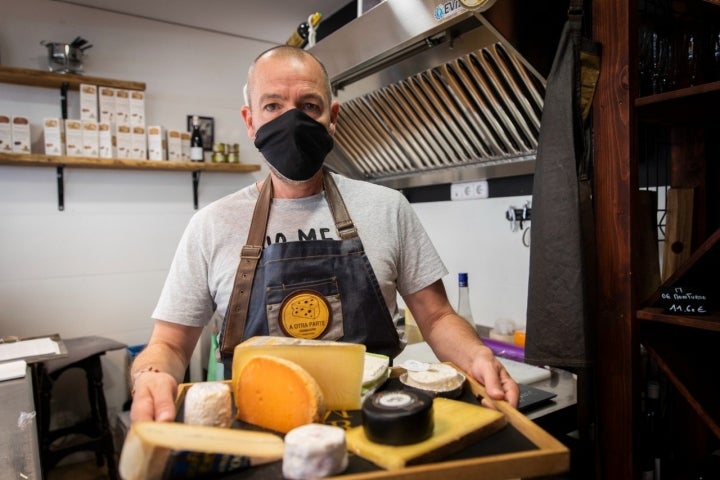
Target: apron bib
(321,289)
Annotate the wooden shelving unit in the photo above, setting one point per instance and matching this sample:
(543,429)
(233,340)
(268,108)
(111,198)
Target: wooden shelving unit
(40,78)
(39,160)
(64,82)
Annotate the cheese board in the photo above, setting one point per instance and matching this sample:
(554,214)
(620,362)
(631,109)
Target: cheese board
(519,449)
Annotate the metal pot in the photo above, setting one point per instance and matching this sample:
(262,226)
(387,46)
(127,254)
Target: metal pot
(64,57)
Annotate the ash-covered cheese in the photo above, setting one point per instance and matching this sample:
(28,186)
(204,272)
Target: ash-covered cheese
(209,404)
(314,451)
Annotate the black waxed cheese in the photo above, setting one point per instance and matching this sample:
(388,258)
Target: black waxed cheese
(398,417)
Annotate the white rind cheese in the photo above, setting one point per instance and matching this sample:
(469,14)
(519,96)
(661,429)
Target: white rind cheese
(209,404)
(439,377)
(314,451)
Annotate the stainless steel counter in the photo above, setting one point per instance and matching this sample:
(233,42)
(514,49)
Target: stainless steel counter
(19,451)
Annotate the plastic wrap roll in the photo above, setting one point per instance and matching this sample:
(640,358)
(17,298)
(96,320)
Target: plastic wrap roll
(505,350)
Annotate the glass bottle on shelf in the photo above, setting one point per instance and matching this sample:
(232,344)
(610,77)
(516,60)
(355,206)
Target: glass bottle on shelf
(463,306)
(196,141)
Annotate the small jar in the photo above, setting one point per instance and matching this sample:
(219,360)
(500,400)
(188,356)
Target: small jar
(219,155)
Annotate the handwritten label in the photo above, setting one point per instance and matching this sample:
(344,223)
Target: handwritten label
(684,301)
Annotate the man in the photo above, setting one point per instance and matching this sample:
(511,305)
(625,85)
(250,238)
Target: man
(346,271)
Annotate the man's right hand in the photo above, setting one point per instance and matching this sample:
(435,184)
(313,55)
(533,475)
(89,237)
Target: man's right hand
(154,397)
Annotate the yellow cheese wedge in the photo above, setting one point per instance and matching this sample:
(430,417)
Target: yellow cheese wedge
(336,366)
(278,394)
(155,450)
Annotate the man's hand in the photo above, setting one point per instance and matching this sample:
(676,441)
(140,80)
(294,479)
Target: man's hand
(154,397)
(488,370)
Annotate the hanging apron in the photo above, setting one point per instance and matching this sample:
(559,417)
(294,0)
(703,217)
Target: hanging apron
(562,260)
(324,289)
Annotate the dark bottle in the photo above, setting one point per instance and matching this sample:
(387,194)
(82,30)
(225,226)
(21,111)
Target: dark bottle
(196,141)
(653,432)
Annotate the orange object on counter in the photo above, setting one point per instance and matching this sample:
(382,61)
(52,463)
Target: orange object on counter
(519,338)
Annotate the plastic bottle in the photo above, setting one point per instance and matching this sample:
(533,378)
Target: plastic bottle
(463,306)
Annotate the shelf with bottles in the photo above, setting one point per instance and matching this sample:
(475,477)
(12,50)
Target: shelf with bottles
(685,105)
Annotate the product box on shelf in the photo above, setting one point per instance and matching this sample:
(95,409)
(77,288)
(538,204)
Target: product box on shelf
(20,134)
(137,108)
(106,100)
(139,143)
(6,144)
(157,145)
(54,136)
(88,102)
(122,106)
(106,140)
(124,141)
(91,141)
(185,141)
(174,145)
(73,138)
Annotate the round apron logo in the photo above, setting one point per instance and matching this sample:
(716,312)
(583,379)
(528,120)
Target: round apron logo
(304,314)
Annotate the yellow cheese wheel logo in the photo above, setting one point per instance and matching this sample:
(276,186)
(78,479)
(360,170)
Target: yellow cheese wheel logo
(304,314)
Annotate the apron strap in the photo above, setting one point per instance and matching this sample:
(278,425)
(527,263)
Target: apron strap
(236,316)
(234,325)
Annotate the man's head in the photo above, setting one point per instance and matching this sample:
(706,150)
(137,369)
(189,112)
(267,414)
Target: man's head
(283,78)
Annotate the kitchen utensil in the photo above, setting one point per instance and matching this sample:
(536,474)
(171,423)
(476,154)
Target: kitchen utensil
(66,57)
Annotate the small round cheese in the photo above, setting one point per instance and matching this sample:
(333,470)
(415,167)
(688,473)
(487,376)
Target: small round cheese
(209,404)
(438,378)
(398,417)
(314,451)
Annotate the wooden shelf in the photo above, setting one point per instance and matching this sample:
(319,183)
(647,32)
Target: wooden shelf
(38,160)
(708,322)
(690,362)
(692,105)
(40,78)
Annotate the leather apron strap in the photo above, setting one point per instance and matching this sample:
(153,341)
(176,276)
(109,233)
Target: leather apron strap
(237,311)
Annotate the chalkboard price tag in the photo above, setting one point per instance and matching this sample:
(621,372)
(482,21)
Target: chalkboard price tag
(684,301)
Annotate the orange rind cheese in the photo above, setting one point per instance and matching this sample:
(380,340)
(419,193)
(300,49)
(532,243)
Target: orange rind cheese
(277,394)
(321,359)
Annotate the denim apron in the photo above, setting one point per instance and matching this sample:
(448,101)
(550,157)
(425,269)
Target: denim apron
(322,289)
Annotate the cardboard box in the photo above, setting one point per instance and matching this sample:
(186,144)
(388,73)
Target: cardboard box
(21,135)
(139,143)
(122,106)
(73,138)
(91,144)
(123,138)
(107,142)
(157,144)
(106,101)
(6,144)
(185,140)
(54,136)
(137,108)
(88,102)
(174,145)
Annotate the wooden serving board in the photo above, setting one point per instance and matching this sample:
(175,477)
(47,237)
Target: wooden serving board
(457,425)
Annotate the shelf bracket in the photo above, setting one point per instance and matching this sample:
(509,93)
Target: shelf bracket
(63,100)
(195,182)
(61,187)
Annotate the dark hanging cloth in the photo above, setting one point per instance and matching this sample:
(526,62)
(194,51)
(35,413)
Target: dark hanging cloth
(562,247)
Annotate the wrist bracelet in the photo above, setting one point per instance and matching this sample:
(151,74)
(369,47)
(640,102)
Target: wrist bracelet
(137,374)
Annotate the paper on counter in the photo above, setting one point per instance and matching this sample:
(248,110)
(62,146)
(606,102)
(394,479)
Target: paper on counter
(11,370)
(28,348)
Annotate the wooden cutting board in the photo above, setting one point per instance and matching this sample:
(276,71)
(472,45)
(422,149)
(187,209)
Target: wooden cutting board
(457,425)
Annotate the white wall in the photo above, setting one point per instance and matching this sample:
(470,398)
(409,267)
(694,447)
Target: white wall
(97,268)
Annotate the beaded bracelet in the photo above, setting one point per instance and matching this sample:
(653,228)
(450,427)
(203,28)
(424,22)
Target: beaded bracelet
(137,374)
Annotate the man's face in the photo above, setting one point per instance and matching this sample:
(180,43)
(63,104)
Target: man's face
(279,84)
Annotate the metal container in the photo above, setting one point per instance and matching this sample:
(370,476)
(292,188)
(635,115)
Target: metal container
(64,57)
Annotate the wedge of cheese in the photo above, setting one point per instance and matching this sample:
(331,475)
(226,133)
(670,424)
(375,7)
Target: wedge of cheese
(277,394)
(155,450)
(336,366)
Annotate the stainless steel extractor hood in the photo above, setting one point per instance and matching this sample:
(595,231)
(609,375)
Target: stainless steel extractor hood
(432,93)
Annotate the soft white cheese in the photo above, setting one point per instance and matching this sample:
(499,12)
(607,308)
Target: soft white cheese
(314,451)
(209,404)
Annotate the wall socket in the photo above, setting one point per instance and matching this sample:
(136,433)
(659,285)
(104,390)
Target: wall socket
(469,190)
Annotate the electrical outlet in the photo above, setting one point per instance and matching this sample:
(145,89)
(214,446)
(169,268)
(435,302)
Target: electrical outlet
(469,190)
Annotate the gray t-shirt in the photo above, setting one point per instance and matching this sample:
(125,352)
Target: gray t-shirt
(202,273)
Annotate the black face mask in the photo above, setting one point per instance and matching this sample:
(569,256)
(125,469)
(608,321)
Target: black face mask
(294,144)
